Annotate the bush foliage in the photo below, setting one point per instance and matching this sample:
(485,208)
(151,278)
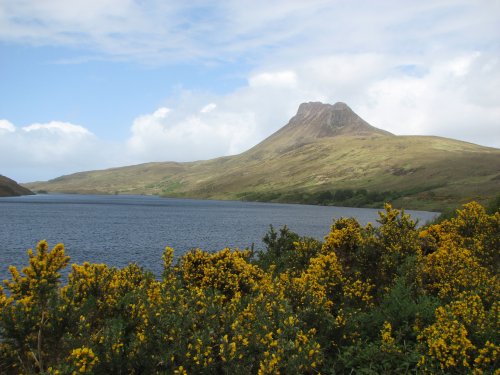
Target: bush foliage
(341,197)
(379,299)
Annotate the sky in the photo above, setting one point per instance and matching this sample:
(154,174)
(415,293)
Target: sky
(94,84)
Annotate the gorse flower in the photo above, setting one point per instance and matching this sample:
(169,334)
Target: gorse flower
(83,360)
(369,299)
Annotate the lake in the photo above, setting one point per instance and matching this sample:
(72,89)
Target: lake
(118,230)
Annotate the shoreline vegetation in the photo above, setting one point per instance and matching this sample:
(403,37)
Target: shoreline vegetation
(340,197)
(357,198)
(348,197)
(394,298)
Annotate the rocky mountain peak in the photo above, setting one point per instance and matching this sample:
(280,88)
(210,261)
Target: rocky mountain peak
(317,120)
(309,108)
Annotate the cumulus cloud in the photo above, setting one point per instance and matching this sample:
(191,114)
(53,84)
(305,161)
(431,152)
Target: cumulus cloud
(208,108)
(286,79)
(7,127)
(188,136)
(449,100)
(42,151)
(58,128)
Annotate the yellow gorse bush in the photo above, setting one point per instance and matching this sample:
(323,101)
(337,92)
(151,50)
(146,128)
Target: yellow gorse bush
(83,359)
(227,271)
(42,274)
(386,298)
(388,343)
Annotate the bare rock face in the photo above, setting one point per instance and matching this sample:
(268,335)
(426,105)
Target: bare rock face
(314,121)
(318,120)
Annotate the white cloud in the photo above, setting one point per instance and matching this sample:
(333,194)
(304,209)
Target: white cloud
(447,101)
(6,126)
(42,151)
(208,108)
(161,113)
(287,79)
(256,30)
(58,128)
(189,136)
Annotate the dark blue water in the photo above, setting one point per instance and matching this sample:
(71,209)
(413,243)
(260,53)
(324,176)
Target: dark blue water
(117,230)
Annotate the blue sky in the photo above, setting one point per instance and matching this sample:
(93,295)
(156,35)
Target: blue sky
(101,83)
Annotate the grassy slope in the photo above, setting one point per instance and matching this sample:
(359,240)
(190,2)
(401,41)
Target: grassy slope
(10,188)
(433,172)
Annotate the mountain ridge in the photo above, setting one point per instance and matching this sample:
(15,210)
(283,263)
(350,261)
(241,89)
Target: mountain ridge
(323,147)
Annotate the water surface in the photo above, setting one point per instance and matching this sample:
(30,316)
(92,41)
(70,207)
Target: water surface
(118,230)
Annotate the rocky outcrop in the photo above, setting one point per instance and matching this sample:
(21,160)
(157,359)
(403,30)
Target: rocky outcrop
(318,120)
(315,121)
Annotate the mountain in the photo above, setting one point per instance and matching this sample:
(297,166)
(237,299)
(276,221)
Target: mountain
(317,120)
(10,188)
(323,150)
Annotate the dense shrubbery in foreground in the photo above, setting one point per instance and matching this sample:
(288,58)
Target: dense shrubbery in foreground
(391,299)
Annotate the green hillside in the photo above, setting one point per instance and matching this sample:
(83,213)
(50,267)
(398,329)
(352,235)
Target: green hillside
(322,150)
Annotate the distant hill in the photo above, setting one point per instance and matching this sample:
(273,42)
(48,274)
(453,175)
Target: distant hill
(10,188)
(325,154)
